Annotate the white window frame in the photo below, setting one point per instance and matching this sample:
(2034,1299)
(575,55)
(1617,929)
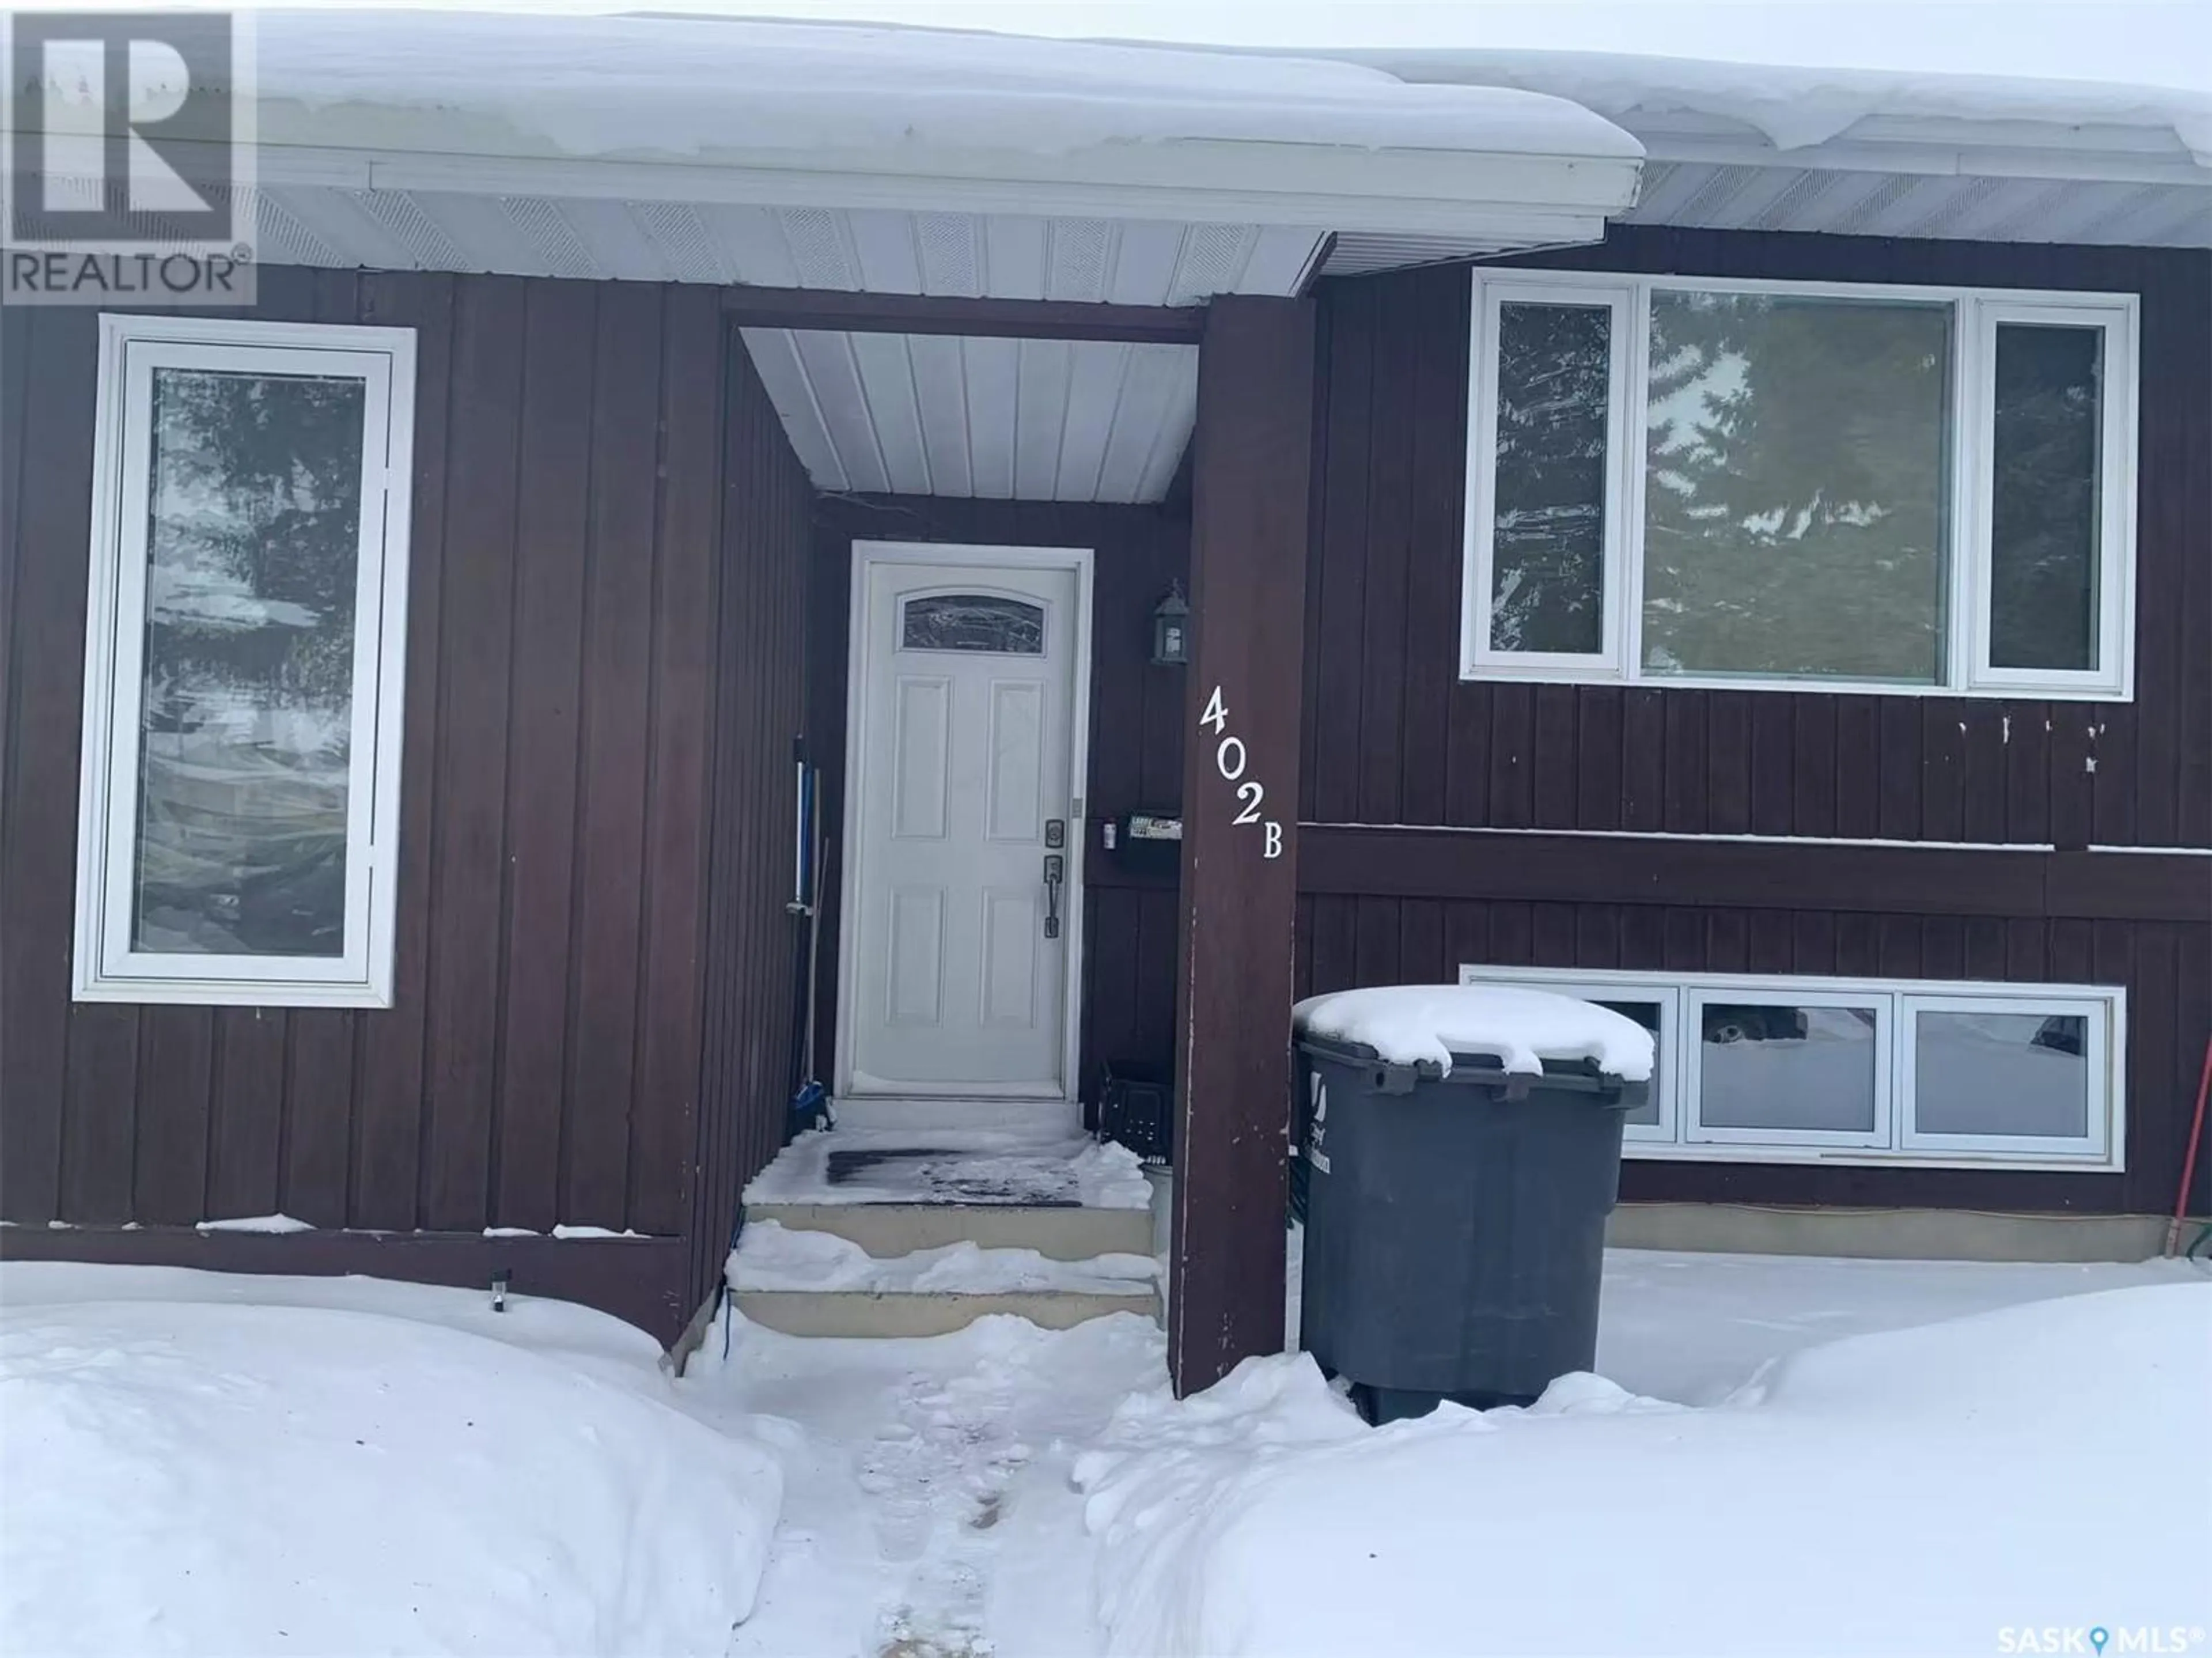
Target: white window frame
(1698,1132)
(1976,313)
(1622,334)
(2105,1035)
(108,967)
(1897,1142)
(2116,501)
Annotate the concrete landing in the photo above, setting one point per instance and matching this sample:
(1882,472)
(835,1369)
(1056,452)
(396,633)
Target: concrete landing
(900,1229)
(889,1231)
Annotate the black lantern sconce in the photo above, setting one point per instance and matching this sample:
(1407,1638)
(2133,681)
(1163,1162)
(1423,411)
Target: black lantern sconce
(1171,630)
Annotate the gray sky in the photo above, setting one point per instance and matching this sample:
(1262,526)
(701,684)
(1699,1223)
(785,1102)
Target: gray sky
(2154,42)
(2150,42)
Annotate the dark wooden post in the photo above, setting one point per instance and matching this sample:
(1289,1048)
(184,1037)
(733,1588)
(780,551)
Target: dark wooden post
(1239,899)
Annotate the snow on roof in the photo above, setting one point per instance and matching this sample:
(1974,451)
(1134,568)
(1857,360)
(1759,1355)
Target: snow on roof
(1796,108)
(691,86)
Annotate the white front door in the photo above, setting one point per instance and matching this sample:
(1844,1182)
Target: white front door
(961,843)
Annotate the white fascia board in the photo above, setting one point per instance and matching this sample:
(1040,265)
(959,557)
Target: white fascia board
(1931,159)
(1935,146)
(1513,198)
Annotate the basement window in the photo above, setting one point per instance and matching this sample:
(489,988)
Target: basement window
(1688,482)
(243,663)
(1874,1071)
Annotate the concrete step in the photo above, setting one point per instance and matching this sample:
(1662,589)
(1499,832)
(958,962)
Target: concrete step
(810,1282)
(887,1230)
(883,1313)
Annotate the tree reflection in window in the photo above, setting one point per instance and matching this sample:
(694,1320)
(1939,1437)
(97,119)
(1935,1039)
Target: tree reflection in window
(1554,368)
(253,552)
(1795,518)
(972,622)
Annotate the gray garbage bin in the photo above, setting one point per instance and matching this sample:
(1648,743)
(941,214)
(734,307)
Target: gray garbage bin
(1454,1224)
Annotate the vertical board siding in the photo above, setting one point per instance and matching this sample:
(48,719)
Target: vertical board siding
(2164,967)
(468,849)
(756,596)
(1395,737)
(1393,734)
(573,704)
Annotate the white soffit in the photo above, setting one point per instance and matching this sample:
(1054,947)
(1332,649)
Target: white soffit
(935,415)
(961,255)
(1740,196)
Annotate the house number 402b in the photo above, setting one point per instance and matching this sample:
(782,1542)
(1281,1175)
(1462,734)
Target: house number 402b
(1229,759)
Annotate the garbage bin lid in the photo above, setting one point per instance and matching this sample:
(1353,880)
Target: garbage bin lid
(1427,1025)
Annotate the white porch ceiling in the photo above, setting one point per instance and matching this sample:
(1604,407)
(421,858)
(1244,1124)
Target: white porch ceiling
(1029,420)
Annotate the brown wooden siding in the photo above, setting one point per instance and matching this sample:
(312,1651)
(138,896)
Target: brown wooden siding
(2166,967)
(1136,735)
(752,963)
(564,743)
(1393,736)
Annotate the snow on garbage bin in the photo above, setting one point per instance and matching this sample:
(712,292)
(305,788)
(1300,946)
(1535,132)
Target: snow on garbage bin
(1460,1147)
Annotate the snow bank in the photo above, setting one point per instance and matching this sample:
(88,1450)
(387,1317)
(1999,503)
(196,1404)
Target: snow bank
(1418,1025)
(1916,1491)
(771,1257)
(200,1478)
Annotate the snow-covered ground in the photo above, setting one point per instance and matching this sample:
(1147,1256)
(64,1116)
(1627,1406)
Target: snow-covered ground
(529,1480)
(188,1471)
(2045,1468)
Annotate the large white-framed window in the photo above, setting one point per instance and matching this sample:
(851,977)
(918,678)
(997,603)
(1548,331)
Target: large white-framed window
(244,651)
(1852,487)
(1767,1068)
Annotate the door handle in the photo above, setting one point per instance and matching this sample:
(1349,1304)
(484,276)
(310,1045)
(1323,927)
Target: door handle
(1056,871)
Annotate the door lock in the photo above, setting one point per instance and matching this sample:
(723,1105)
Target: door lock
(1056,871)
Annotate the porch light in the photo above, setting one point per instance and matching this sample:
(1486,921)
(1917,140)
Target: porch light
(1171,629)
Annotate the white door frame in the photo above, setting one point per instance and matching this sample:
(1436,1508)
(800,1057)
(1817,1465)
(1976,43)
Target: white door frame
(866,554)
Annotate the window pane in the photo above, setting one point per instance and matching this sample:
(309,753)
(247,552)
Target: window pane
(1794,507)
(1768,1067)
(1645,1014)
(253,536)
(2045,506)
(972,622)
(2002,1073)
(1554,374)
